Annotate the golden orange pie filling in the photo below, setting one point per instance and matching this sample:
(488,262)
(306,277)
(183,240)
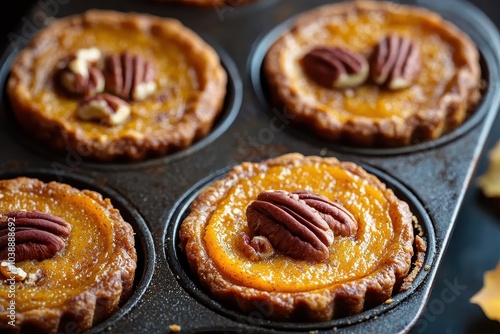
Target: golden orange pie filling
(149,117)
(95,268)
(350,258)
(361,33)
(374,260)
(371,115)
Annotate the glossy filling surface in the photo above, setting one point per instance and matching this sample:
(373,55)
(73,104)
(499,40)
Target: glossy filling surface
(361,32)
(176,80)
(77,266)
(350,257)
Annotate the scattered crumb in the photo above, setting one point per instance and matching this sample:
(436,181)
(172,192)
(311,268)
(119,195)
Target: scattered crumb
(323,152)
(313,332)
(334,329)
(33,278)
(427,268)
(10,271)
(389,301)
(174,328)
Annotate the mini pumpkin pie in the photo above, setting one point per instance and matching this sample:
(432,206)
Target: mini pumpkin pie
(375,73)
(47,231)
(307,238)
(117,86)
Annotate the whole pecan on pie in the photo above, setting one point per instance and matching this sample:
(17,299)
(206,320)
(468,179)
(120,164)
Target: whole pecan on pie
(335,67)
(340,220)
(37,235)
(300,224)
(395,62)
(129,76)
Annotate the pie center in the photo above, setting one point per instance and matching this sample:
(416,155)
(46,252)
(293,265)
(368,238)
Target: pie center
(350,257)
(360,32)
(177,79)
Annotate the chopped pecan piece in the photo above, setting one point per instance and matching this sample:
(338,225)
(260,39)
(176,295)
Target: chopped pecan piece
(104,108)
(79,74)
(9,270)
(257,248)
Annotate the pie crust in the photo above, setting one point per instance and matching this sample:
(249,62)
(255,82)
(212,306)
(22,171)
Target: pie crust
(191,81)
(443,96)
(73,288)
(347,283)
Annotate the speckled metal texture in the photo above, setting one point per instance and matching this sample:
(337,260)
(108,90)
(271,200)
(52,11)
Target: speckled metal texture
(155,194)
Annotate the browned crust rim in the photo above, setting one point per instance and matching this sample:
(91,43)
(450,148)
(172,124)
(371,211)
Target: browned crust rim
(451,111)
(319,305)
(97,302)
(195,123)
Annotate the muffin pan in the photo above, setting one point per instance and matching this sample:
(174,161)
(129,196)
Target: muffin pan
(432,177)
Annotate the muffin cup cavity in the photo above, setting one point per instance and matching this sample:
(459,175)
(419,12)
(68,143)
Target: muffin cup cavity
(229,112)
(143,239)
(189,281)
(489,71)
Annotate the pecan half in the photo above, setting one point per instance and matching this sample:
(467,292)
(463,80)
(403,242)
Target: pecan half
(395,62)
(79,73)
(129,76)
(340,220)
(34,234)
(292,227)
(104,108)
(335,67)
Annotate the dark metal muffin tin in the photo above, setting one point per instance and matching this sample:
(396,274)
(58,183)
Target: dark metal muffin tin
(154,195)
